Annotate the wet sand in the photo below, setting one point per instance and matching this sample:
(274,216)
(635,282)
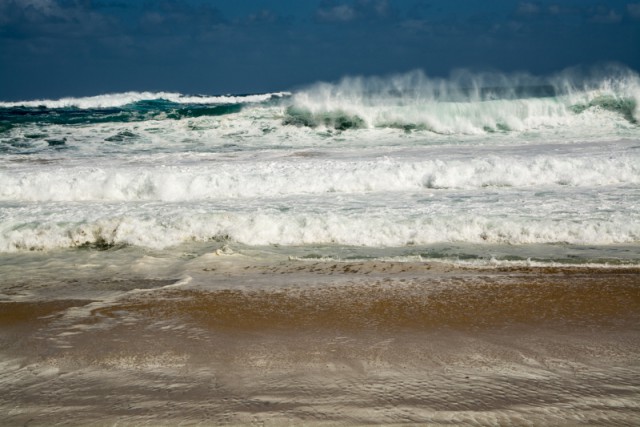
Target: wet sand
(300,342)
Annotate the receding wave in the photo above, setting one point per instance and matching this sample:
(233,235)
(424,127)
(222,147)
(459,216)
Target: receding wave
(402,305)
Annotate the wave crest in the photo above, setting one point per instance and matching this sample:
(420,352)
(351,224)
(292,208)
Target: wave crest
(465,103)
(116,100)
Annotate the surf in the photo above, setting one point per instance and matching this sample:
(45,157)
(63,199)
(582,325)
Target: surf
(464,103)
(405,161)
(467,103)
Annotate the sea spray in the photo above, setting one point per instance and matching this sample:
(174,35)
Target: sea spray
(465,103)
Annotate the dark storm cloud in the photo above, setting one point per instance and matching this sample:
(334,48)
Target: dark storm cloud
(605,15)
(358,10)
(68,47)
(634,10)
(263,16)
(38,18)
(175,15)
(528,8)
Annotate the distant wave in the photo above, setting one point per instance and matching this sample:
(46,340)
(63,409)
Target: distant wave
(121,99)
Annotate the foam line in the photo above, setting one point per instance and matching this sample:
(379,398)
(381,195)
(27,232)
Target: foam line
(121,99)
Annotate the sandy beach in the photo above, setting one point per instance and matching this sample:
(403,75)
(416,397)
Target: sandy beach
(327,343)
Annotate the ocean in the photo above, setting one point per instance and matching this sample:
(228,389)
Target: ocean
(392,250)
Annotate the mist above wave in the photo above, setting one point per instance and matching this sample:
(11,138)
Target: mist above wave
(466,102)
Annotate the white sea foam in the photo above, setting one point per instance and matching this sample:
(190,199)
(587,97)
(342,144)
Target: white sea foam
(121,99)
(222,180)
(492,263)
(165,226)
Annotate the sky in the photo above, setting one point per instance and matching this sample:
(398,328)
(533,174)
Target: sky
(57,48)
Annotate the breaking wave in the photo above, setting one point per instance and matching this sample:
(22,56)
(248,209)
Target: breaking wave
(127,98)
(124,107)
(171,226)
(465,103)
(283,179)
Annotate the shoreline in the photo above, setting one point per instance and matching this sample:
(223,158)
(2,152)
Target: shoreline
(307,343)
